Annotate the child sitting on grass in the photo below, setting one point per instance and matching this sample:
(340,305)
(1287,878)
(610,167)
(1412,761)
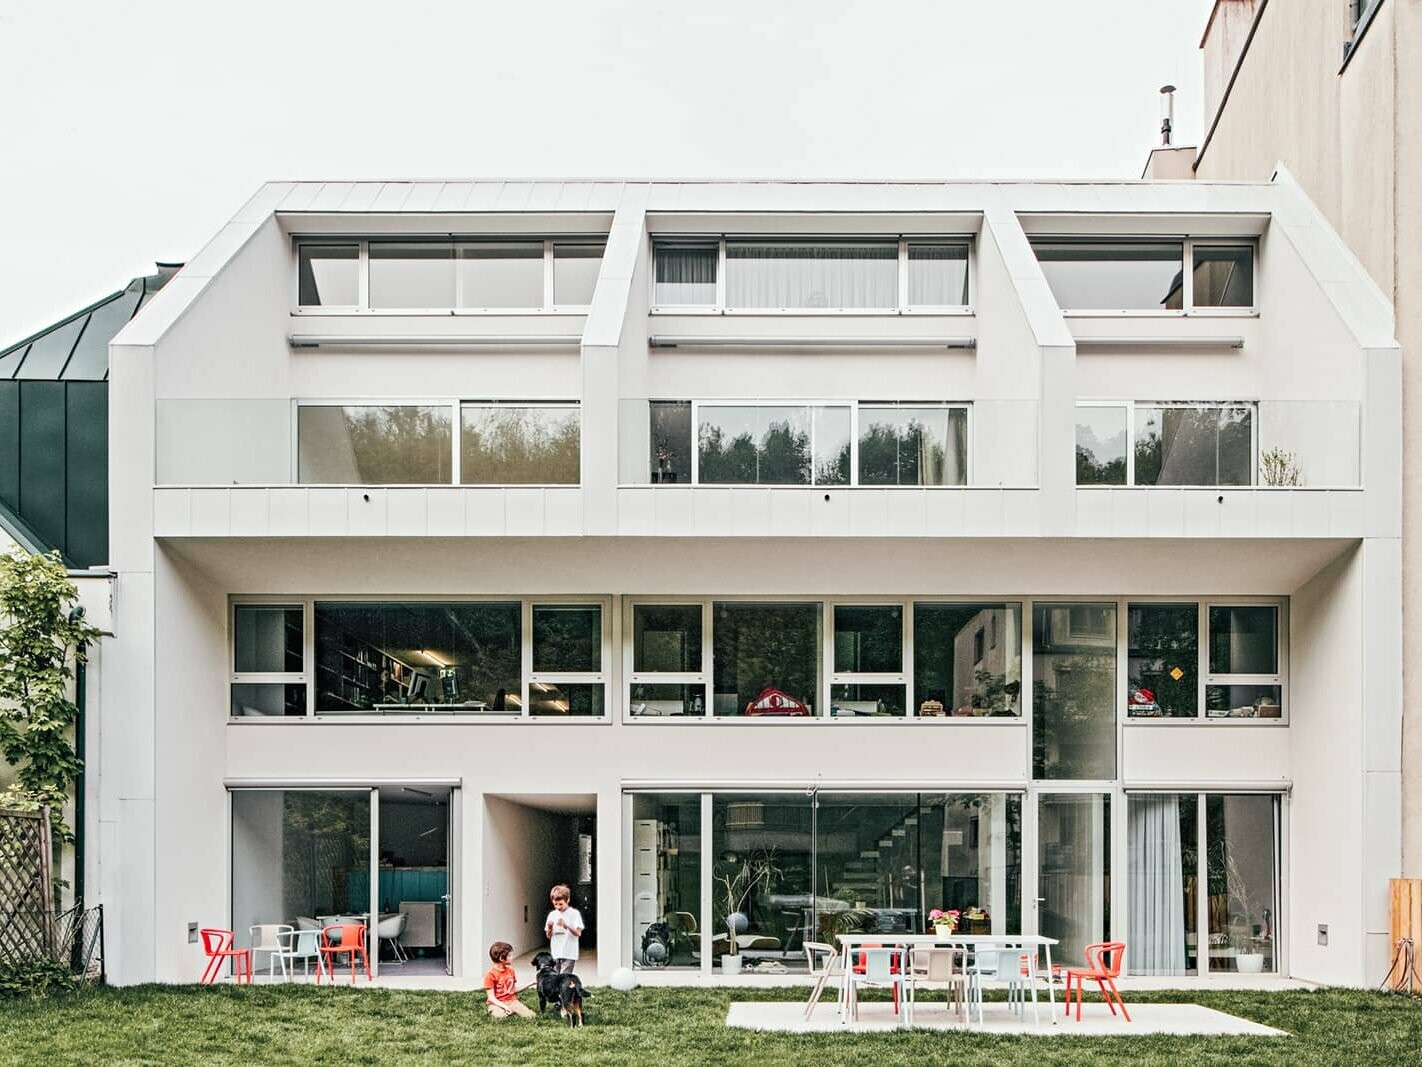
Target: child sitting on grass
(501,985)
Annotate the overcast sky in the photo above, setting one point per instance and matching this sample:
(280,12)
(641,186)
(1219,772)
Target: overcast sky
(131,132)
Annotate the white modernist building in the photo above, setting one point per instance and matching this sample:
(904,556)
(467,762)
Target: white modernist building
(764,560)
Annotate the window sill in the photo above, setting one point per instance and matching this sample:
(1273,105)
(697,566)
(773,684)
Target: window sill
(1206,720)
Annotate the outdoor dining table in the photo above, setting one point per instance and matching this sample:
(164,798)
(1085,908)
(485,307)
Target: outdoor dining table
(973,942)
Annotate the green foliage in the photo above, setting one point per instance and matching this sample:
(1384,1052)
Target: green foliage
(39,643)
(35,980)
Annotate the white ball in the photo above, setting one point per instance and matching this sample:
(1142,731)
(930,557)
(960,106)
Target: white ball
(623,980)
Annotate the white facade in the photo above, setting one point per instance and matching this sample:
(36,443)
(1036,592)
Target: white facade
(209,513)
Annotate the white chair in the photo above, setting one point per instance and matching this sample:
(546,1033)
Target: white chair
(883,967)
(266,937)
(302,945)
(938,967)
(389,928)
(825,963)
(1008,965)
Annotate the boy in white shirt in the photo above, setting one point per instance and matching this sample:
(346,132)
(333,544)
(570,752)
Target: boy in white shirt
(563,928)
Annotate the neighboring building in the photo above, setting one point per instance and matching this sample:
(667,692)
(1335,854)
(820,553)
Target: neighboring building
(1329,89)
(54,479)
(1026,548)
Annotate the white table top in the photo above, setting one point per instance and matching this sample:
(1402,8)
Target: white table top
(970,940)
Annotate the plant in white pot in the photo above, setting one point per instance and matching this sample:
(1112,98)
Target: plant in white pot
(1248,959)
(737,878)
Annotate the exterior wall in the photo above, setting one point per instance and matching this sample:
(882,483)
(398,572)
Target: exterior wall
(186,540)
(1353,139)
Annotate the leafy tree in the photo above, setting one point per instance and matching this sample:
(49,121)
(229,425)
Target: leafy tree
(40,641)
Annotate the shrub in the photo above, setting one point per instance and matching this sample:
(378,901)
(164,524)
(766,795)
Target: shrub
(35,980)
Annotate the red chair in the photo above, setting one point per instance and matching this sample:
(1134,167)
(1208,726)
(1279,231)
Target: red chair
(347,939)
(1103,966)
(217,946)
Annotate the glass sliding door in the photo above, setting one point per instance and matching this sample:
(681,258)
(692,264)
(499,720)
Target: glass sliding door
(1074,871)
(1162,891)
(761,887)
(300,857)
(868,872)
(971,859)
(666,880)
(1242,856)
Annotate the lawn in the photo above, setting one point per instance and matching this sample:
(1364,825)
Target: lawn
(664,1027)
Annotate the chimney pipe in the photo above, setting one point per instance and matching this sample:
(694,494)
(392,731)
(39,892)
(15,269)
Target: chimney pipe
(1167,113)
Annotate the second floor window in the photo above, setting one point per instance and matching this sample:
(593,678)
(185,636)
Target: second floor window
(497,443)
(1147,274)
(1147,444)
(830,444)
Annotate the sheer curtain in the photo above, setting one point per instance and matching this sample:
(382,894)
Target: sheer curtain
(811,276)
(686,274)
(1156,943)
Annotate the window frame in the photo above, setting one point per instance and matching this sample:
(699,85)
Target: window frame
(456,406)
(1188,308)
(304,678)
(900,307)
(431,713)
(1132,405)
(903,677)
(854,431)
(547,306)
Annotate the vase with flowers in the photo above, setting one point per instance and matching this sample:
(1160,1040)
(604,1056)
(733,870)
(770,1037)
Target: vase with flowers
(945,923)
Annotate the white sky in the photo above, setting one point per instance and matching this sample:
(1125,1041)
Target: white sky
(131,132)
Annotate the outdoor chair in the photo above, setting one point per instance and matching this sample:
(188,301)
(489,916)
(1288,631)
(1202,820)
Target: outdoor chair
(389,928)
(1009,965)
(217,946)
(938,967)
(346,939)
(878,967)
(1103,966)
(266,937)
(299,945)
(825,963)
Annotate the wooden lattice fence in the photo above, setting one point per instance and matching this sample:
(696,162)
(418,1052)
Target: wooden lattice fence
(27,929)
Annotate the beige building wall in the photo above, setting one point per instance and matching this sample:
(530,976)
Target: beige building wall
(1351,134)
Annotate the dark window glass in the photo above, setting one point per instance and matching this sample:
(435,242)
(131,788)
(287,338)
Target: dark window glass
(670,441)
(774,445)
(1244,701)
(907,445)
(519,444)
(266,640)
(328,275)
(1111,275)
(767,658)
(567,638)
(268,698)
(868,639)
(666,880)
(851,700)
(667,698)
(686,274)
(762,879)
(388,445)
(1194,445)
(382,656)
(666,638)
(1073,691)
(566,698)
(1100,446)
(1244,640)
(950,677)
(1224,276)
(1163,661)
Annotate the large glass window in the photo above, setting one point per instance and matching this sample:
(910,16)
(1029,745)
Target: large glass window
(1101,445)
(766,658)
(268,660)
(1102,275)
(937,275)
(328,275)
(670,439)
(763,892)
(575,271)
(913,444)
(519,444)
(1163,661)
(773,445)
(1224,276)
(666,638)
(413,275)
(967,659)
(868,660)
(1074,871)
(686,273)
(1194,445)
(1162,883)
(567,674)
(449,656)
(499,274)
(666,879)
(1244,680)
(374,444)
(1074,691)
(1243,876)
(794,274)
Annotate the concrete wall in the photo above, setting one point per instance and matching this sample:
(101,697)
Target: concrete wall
(526,852)
(1353,139)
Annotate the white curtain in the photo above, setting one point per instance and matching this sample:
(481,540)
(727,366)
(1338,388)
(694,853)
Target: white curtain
(1156,942)
(811,276)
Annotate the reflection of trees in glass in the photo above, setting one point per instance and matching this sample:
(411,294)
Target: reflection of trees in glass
(1073,692)
(758,646)
(325,837)
(519,446)
(1164,637)
(945,660)
(567,638)
(868,639)
(1091,471)
(1194,446)
(780,452)
(899,446)
(399,444)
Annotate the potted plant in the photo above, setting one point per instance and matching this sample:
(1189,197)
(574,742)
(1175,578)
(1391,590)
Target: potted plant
(944,923)
(737,878)
(1247,960)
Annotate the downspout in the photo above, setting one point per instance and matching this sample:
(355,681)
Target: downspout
(80,689)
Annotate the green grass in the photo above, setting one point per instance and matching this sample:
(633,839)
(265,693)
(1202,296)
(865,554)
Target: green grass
(662,1027)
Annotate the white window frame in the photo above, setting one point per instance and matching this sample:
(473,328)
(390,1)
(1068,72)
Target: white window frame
(901,306)
(456,406)
(545,307)
(429,713)
(902,677)
(1188,308)
(697,405)
(635,677)
(1130,407)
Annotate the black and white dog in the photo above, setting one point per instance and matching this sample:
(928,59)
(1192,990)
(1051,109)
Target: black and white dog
(564,990)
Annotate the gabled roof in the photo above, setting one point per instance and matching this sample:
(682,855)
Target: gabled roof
(77,348)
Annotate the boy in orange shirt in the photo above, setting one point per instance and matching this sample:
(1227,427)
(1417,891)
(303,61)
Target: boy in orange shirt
(501,985)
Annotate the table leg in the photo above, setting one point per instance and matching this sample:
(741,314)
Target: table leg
(1051,991)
